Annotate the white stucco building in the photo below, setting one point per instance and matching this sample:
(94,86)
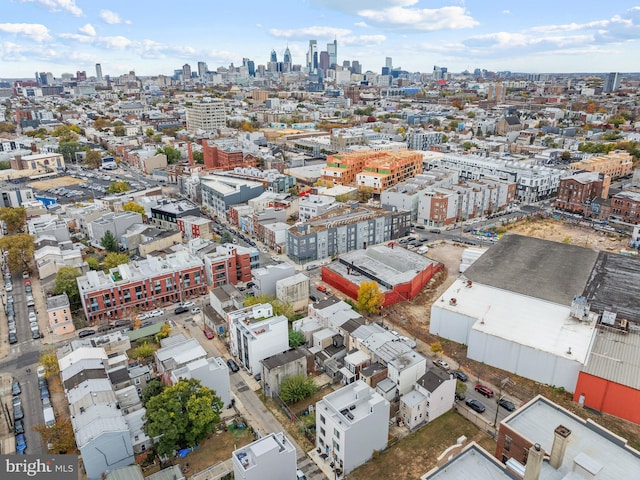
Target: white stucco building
(351,423)
(433,395)
(272,457)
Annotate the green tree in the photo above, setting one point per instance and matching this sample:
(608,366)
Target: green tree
(143,351)
(68,150)
(14,218)
(370,298)
(566,155)
(133,207)
(66,283)
(182,415)
(113,259)
(173,154)
(118,187)
(101,123)
(93,263)
(165,331)
(226,237)
(109,242)
(93,159)
(295,339)
(60,436)
(198,157)
(157,138)
(49,360)
(296,387)
(20,248)
(149,132)
(153,388)
(119,131)
(5,165)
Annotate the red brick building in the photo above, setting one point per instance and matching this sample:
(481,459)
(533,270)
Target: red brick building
(141,285)
(224,156)
(576,193)
(230,264)
(625,206)
(195,227)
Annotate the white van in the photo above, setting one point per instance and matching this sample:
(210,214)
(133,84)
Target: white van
(49,417)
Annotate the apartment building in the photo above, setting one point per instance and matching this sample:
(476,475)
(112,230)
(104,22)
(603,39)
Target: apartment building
(116,223)
(212,372)
(272,457)
(294,290)
(577,192)
(313,205)
(230,264)
(166,213)
(140,285)
(616,164)
(388,169)
(342,169)
(36,164)
(347,228)
(625,206)
(219,192)
(207,115)
(193,226)
(423,140)
(352,423)
(253,339)
(59,315)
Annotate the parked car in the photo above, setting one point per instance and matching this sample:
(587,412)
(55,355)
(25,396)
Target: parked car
(122,323)
(233,365)
(434,230)
(313,298)
(32,316)
(42,372)
(312,267)
(475,405)
(35,334)
(180,310)
(86,333)
(18,427)
(13,338)
(8,287)
(18,414)
(208,333)
(156,313)
(484,390)
(460,375)
(506,404)
(146,324)
(422,250)
(15,387)
(321,288)
(16,401)
(21,443)
(195,310)
(441,364)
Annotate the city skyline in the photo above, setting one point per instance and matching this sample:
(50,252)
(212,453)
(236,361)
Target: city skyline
(70,35)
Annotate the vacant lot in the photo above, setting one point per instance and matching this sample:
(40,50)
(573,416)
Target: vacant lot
(59,182)
(417,453)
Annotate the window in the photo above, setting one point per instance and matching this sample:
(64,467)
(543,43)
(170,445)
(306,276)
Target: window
(322,432)
(137,381)
(322,419)
(336,433)
(507,443)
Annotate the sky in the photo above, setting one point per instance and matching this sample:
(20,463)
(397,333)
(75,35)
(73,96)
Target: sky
(157,37)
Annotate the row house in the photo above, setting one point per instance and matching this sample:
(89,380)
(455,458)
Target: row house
(230,264)
(236,214)
(166,213)
(577,192)
(625,206)
(140,285)
(259,221)
(193,226)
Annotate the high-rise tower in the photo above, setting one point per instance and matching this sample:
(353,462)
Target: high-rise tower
(312,55)
(332,50)
(287,57)
(274,56)
(99,72)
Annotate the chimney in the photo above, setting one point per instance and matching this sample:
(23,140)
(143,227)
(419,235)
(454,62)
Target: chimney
(560,440)
(189,153)
(534,463)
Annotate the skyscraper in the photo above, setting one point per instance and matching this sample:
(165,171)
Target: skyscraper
(186,71)
(99,72)
(323,62)
(312,55)
(274,56)
(611,82)
(332,50)
(202,69)
(287,57)
(388,62)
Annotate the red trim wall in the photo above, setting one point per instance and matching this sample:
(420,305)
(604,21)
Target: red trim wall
(609,397)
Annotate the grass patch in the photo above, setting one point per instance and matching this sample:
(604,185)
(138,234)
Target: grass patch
(417,453)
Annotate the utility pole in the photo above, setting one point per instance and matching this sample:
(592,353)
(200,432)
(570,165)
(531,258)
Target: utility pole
(505,381)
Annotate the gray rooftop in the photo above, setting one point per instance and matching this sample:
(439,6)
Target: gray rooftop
(542,269)
(282,358)
(537,421)
(474,462)
(433,378)
(615,356)
(615,282)
(58,301)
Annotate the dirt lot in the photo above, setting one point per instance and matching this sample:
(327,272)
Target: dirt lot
(59,182)
(417,453)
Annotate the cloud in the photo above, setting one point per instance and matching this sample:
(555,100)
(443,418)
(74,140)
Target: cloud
(361,24)
(14,52)
(354,6)
(35,31)
(58,5)
(305,33)
(88,30)
(506,12)
(423,19)
(112,18)
(362,40)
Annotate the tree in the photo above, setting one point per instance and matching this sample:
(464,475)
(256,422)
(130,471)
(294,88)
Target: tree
(436,347)
(153,388)
(14,218)
(114,259)
(66,283)
(118,187)
(296,387)
(165,331)
(226,237)
(295,339)
(566,155)
(109,242)
(69,150)
(198,157)
(143,351)
(370,298)
(182,415)
(101,123)
(60,436)
(93,263)
(93,159)
(20,248)
(133,207)
(49,360)
(173,154)
(119,131)
(149,132)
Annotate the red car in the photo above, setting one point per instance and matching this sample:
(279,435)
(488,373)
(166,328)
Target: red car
(321,288)
(208,333)
(484,390)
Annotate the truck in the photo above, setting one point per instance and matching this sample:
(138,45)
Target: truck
(49,417)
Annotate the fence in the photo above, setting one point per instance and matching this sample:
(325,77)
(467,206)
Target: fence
(215,472)
(478,420)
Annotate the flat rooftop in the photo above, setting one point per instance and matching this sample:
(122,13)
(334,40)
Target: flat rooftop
(520,319)
(474,462)
(537,420)
(615,282)
(547,270)
(615,356)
